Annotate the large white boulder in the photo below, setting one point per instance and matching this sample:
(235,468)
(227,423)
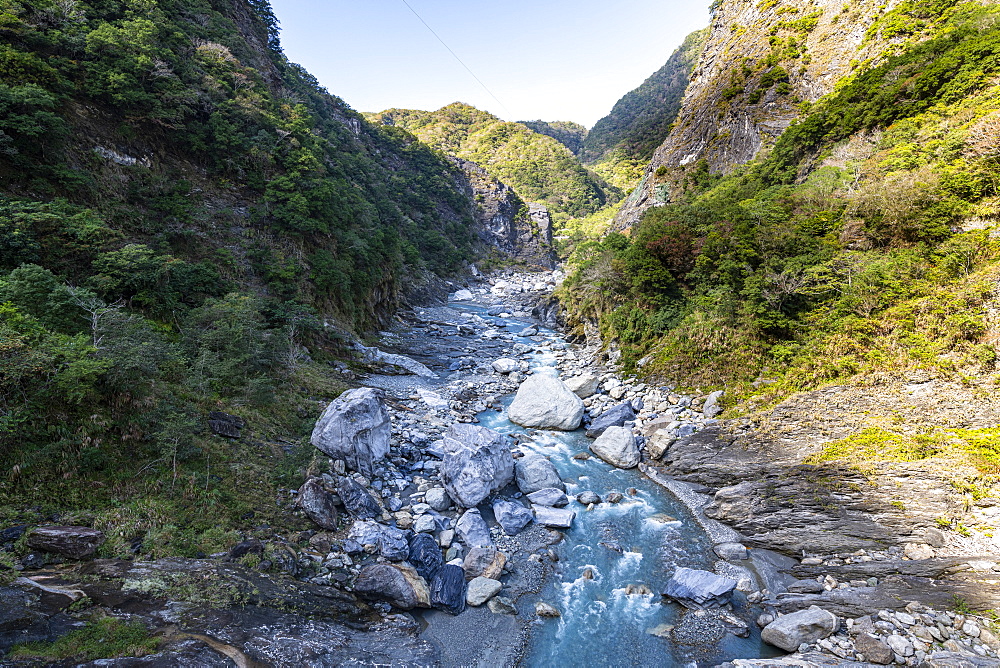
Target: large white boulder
(617,447)
(544,402)
(476,463)
(584,385)
(355,427)
(804,626)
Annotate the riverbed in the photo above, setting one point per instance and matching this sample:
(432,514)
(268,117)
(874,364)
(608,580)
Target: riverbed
(609,568)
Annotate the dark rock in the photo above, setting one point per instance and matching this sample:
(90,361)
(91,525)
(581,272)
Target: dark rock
(587,498)
(477,462)
(72,542)
(11,534)
(356,428)
(616,416)
(252,546)
(512,516)
(318,503)
(399,585)
(699,589)
(425,555)
(448,589)
(223,424)
(359,503)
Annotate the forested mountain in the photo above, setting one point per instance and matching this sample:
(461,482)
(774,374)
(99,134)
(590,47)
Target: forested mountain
(621,144)
(541,169)
(569,134)
(188,222)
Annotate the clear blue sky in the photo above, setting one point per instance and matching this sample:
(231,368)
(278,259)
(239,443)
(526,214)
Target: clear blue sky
(549,59)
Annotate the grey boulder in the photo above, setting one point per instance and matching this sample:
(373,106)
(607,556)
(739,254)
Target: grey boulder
(731,551)
(68,541)
(506,365)
(543,401)
(615,416)
(512,516)
(399,585)
(473,529)
(481,590)
(534,472)
(391,542)
(699,589)
(588,497)
(712,407)
(583,386)
(550,496)
(617,447)
(555,518)
(804,626)
(477,462)
(317,503)
(355,427)
(438,499)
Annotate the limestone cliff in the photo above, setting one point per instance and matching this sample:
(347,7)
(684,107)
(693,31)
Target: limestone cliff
(762,60)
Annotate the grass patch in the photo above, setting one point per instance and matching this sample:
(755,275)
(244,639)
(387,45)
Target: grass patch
(103,638)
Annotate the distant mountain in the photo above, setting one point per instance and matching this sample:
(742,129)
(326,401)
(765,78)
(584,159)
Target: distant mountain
(569,134)
(540,168)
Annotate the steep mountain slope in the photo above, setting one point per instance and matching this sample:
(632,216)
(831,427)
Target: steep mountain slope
(761,61)
(622,143)
(861,245)
(538,167)
(189,223)
(569,134)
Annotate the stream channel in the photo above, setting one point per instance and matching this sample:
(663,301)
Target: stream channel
(606,557)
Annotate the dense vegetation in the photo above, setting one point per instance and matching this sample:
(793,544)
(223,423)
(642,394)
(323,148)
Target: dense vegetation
(187,223)
(861,243)
(621,144)
(569,134)
(538,167)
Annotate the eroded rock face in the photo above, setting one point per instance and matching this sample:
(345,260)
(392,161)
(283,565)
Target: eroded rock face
(617,447)
(355,427)
(68,541)
(534,472)
(805,626)
(399,585)
(477,462)
(318,503)
(544,402)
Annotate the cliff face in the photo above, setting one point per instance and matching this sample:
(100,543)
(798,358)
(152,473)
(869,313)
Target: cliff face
(504,221)
(761,61)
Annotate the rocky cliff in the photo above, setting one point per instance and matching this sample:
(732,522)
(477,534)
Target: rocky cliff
(521,231)
(761,62)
